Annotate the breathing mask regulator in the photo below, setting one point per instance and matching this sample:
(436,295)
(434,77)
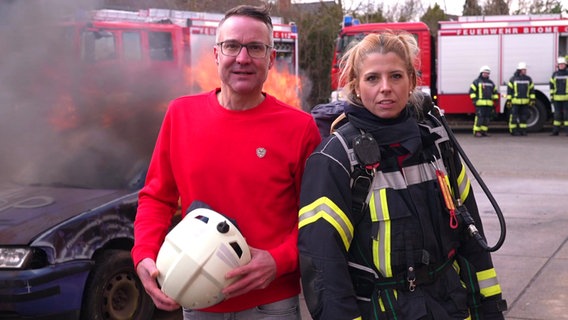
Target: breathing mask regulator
(368,154)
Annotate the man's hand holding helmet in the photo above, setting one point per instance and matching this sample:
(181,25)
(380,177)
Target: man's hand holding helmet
(148,273)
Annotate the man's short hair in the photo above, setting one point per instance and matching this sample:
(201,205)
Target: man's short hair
(260,13)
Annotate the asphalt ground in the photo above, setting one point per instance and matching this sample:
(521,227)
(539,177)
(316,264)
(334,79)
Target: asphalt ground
(528,177)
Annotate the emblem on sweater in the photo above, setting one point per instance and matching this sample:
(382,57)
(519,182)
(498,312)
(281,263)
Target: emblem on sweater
(260,152)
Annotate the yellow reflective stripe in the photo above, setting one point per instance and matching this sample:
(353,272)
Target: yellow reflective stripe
(382,305)
(488,285)
(358,318)
(464,184)
(324,208)
(381,241)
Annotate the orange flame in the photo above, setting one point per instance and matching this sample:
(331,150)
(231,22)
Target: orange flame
(280,82)
(64,114)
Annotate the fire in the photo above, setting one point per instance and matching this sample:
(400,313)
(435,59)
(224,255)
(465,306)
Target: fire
(284,86)
(280,82)
(64,114)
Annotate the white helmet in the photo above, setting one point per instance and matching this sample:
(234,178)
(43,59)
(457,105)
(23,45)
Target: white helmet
(521,66)
(561,60)
(485,69)
(196,255)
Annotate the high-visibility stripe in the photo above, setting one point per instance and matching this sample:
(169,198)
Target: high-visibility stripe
(412,175)
(488,284)
(382,241)
(463,184)
(324,208)
(418,173)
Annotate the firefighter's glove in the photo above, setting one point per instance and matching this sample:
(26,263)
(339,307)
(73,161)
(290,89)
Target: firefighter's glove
(532,103)
(508,104)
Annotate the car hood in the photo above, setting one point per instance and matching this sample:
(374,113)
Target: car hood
(26,211)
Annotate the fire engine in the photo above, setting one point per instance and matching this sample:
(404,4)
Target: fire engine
(447,68)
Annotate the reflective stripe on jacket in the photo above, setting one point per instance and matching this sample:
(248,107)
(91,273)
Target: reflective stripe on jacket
(520,89)
(483,92)
(559,85)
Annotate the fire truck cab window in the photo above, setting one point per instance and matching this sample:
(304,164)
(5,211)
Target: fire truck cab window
(161,47)
(563,44)
(97,45)
(132,48)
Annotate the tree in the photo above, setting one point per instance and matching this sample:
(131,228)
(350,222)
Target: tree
(432,16)
(496,7)
(408,11)
(471,8)
(369,14)
(318,31)
(539,7)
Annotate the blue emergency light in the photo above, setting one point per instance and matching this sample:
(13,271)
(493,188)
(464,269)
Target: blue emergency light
(350,21)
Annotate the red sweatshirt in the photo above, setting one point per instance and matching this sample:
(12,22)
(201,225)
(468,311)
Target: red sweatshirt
(208,153)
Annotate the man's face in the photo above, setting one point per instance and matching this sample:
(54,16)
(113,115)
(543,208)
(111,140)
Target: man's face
(243,74)
(485,74)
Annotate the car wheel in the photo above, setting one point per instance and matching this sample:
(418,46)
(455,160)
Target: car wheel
(114,292)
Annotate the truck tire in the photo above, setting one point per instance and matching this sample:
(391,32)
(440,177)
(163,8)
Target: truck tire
(537,117)
(114,292)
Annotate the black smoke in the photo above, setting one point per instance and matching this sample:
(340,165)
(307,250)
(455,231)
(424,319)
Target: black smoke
(63,122)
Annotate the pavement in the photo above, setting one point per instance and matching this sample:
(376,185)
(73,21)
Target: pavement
(528,177)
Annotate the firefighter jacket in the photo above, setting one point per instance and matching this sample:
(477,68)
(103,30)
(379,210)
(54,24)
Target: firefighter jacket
(483,92)
(405,255)
(520,89)
(559,85)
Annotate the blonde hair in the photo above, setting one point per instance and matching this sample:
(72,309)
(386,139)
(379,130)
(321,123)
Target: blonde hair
(402,43)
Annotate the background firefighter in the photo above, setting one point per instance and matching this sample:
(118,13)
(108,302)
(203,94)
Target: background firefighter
(559,97)
(483,93)
(520,95)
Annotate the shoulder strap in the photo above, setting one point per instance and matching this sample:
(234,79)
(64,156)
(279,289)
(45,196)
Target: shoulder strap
(361,178)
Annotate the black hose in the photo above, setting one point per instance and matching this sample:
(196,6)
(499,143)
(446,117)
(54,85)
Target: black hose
(469,221)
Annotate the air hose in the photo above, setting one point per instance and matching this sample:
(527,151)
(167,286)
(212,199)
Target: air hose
(462,211)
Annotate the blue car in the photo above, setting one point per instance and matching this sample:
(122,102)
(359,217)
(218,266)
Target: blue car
(65,254)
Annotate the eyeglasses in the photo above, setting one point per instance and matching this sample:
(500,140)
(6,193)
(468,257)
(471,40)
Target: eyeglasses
(255,50)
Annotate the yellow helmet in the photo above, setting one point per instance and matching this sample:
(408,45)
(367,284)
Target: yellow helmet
(196,255)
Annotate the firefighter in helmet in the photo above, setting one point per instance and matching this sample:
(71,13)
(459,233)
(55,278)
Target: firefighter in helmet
(559,96)
(520,95)
(483,93)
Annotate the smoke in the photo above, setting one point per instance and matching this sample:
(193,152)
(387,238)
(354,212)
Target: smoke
(66,122)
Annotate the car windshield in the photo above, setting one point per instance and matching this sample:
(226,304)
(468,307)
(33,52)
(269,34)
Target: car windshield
(66,124)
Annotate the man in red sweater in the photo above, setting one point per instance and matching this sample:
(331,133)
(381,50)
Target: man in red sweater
(242,152)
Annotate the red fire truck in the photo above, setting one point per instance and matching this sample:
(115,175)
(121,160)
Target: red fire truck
(190,40)
(463,46)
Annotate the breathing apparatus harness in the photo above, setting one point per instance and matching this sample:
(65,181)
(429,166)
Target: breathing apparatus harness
(367,155)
